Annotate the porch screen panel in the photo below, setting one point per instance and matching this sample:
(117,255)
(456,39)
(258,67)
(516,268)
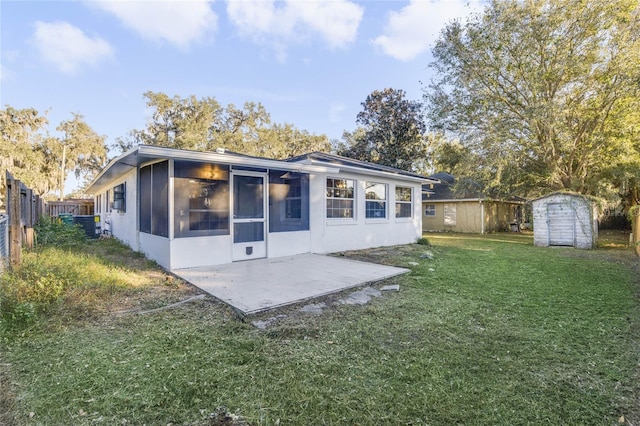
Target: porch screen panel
(160,199)
(145,199)
(154,202)
(288,201)
(201,200)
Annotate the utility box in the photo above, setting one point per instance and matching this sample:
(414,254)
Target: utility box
(88,223)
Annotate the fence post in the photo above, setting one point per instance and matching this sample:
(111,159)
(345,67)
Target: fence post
(15,231)
(635,231)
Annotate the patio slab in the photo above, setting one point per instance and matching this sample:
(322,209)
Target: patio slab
(258,285)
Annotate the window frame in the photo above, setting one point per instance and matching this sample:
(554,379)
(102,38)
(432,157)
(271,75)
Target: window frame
(400,202)
(119,202)
(333,199)
(432,207)
(450,215)
(369,210)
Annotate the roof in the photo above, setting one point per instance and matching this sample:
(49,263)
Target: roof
(346,163)
(568,194)
(309,163)
(467,190)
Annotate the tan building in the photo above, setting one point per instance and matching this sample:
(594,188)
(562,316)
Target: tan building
(468,210)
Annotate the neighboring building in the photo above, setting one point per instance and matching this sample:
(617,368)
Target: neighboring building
(467,210)
(186,209)
(565,219)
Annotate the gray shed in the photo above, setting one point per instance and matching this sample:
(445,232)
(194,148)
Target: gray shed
(565,219)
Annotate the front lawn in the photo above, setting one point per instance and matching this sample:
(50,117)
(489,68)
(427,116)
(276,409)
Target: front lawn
(484,330)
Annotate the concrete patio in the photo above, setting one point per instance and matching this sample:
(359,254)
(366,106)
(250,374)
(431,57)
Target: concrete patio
(259,285)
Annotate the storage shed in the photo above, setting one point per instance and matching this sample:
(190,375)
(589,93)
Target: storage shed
(565,219)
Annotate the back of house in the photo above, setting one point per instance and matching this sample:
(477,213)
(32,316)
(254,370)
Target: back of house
(187,209)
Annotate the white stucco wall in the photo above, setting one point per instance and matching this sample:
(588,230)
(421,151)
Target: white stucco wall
(288,243)
(332,235)
(122,225)
(200,251)
(156,248)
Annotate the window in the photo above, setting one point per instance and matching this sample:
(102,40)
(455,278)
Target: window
(98,204)
(154,199)
(404,202)
(201,199)
(430,210)
(288,201)
(119,198)
(376,200)
(450,215)
(340,198)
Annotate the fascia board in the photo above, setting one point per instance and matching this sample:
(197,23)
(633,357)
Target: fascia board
(214,157)
(364,171)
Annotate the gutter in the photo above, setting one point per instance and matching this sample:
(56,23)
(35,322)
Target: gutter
(481,217)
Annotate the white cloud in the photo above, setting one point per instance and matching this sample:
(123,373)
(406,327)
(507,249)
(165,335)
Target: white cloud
(293,21)
(67,47)
(179,23)
(414,28)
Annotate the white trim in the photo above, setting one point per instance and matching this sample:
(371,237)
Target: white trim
(370,172)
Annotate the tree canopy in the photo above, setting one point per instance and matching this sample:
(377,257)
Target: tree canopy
(32,155)
(391,132)
(204,125)
(545,93)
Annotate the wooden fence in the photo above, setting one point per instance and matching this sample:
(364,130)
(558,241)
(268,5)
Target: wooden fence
(23,210)
(76,207)
(635,233)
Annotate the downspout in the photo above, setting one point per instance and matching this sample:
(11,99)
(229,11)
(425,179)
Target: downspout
(481,218)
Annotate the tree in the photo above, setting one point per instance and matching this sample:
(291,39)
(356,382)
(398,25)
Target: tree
(391,133)
(204,125)
(80,150)
(544,92)
(21,150)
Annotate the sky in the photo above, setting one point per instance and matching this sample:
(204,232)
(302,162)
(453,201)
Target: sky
(309,63)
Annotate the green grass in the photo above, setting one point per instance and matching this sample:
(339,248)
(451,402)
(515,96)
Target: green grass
(490,331)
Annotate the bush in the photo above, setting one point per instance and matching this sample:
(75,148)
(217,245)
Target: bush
(53,232)
(423,241)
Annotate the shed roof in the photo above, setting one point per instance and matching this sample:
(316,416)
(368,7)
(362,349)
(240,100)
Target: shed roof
(470,190)
(568,194)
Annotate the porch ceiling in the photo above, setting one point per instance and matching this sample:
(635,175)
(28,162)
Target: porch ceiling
(259,285)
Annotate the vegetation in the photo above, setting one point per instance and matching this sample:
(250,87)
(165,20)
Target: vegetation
(485,330)
(32,155)
(545,95)
(392,132)
(205,125)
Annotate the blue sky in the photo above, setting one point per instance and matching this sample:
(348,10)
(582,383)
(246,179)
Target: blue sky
(310,63)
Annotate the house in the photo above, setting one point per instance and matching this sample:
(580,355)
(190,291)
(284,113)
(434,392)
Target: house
(446,208)
(565,219)
(187,209)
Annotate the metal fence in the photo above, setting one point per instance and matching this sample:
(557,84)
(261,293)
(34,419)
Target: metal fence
(4,241)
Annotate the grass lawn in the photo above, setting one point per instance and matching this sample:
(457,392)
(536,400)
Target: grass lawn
(491,330)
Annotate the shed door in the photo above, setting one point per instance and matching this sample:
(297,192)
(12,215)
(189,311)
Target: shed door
(561,224)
